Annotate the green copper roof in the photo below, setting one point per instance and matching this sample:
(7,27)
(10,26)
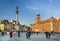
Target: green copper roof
(38,14)
(51,17)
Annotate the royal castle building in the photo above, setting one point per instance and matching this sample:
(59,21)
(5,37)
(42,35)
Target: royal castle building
(48,25)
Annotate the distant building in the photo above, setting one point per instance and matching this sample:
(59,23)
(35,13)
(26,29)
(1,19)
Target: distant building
(48,25)
(1,27)
(10,25)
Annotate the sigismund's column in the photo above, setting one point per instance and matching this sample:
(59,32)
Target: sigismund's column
(17,11)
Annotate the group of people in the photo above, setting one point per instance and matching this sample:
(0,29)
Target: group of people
(11,34)
(28,34)
(48,34)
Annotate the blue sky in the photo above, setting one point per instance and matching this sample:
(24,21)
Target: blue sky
(28,10)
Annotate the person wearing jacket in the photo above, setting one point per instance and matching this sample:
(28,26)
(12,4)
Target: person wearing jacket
(11,34)
(28,34)
(2,33)
(18,33)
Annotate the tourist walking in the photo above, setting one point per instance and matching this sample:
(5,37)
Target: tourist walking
(37,33)
(18,33)
(2,33)
(28,34)
(11,34)
(48,34)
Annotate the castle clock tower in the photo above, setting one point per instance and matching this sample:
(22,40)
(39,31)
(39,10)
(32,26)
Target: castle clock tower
(37,18)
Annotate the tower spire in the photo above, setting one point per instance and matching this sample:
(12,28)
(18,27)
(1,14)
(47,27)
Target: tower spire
(37,18)
(17,10)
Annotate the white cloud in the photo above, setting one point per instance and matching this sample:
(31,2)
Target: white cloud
(32,8)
